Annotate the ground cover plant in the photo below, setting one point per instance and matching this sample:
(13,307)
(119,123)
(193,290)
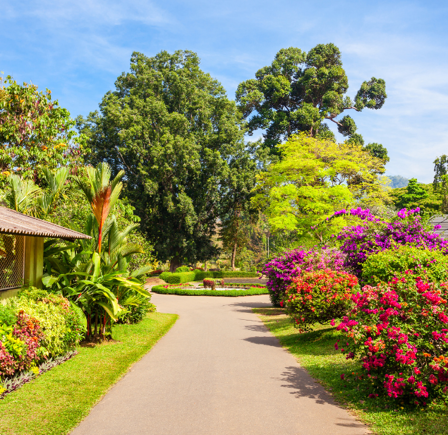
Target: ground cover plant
(280,271)
(318,297)
(315,352)
(57,401)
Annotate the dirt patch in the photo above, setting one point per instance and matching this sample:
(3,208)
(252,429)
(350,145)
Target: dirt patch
(151,282)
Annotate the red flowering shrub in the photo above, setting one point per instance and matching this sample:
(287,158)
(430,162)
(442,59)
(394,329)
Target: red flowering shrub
(399,331)
(318,297)
(211,283)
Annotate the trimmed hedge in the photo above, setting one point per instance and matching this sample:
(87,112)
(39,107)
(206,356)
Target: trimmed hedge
(178,278)
(199,275)
(228,293)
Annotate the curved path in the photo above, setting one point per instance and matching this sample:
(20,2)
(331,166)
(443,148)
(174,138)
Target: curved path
(217,372)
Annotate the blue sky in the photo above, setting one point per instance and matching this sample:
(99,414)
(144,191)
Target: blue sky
(77,49)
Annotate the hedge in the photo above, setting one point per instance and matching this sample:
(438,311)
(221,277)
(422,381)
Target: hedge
(227,293)
(199,275)
(178,278)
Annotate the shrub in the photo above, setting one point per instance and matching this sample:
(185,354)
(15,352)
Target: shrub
(281,271)
(182,269)
(318,297)
(385,265)
(177,278)
(20,345)
(400,332)
(60,325)
(374,235)
(211,283)
(199,275)
(136,313)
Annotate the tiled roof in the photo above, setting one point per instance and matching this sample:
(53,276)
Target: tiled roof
(443,222)
(13,222)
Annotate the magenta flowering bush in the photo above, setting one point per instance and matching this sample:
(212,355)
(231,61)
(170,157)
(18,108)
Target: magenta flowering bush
(375,235)
(280,271)
(399,331)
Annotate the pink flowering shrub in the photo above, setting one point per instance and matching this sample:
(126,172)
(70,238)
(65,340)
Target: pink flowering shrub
(399,330)
(318,297)
(282,270)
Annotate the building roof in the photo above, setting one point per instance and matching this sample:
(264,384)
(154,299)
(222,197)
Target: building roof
(13,222)
(443,222)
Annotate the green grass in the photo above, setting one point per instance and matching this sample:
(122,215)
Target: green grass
(316,353)
(54,403)
(229,293)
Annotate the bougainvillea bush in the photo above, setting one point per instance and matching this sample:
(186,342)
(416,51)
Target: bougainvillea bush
(399,330)
(281,271)
(386,265)
(375,235)
(318,297)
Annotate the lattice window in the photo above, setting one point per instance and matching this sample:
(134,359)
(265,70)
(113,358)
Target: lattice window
(12,261)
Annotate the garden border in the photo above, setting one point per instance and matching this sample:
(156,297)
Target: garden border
(226,293)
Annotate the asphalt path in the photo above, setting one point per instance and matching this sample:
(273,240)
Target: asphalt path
(218,371)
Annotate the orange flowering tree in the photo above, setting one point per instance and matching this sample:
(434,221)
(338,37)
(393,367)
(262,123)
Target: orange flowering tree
(35,132)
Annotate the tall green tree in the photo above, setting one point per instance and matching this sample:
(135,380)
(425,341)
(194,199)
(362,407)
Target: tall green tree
(175,132)
(299,91)
(413,194)
(35,132)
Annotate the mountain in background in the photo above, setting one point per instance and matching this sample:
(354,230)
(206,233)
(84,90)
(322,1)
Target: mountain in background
(397,181)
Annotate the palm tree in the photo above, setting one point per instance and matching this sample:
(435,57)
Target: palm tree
(101,193)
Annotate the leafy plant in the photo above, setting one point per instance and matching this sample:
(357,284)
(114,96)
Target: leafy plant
(394,262)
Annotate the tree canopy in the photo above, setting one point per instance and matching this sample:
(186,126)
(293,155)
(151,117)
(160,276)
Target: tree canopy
(315,178)
(299,91)
(35,133)
(180,140)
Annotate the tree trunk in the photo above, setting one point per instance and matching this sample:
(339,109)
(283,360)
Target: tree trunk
(175,263)
(234,255)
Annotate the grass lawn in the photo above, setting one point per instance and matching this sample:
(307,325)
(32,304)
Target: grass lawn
(229,293)
(315,351)
(57,401)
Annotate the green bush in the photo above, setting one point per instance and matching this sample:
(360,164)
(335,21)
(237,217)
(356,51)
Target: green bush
(59,322)
(252,291)
(199,275)
(385,265)
(182,269)
(177,278)
(136,313)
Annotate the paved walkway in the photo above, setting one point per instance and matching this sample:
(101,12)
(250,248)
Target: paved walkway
(217,372)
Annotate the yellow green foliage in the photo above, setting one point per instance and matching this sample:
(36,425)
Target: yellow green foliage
(314,178)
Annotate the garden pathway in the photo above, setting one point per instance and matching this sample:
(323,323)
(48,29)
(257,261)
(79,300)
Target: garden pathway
(218,371)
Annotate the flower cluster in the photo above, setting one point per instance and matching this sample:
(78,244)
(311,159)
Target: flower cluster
(399,330)
(19,344)
(318,297)
(281,271)
(374,235)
